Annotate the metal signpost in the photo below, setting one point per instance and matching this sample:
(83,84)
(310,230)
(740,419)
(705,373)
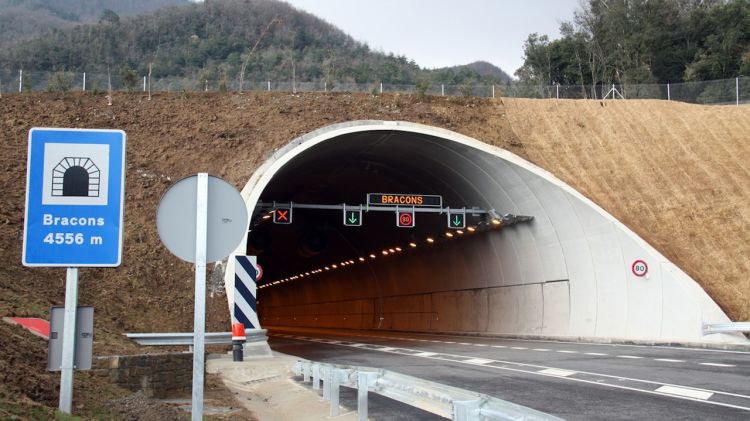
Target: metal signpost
(201,219)
(75,188)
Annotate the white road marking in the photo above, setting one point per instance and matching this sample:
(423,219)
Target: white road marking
(557,372)
(448,342)
(480,345)
(386,349)
(669,360)
(598,354)
(597,382)
(357,345)
(479,361)
(464,343)
(565,351)
(540,349)
(632,357)
(518,347)
(499,346)
(425,354)
(683,391)
(718,365)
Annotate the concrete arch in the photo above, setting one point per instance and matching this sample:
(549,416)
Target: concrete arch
(567,274)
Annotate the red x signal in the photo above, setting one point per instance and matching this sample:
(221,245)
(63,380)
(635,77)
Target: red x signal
(282,216)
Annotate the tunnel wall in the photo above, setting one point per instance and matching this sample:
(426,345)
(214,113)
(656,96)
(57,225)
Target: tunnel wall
(567,274)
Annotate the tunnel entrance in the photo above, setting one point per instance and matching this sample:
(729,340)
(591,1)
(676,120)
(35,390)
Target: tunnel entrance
(566,273)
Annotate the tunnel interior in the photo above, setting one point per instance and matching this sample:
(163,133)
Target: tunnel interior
(565,273)
(343,171)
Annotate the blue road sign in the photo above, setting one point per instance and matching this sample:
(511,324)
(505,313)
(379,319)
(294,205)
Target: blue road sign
(75,188)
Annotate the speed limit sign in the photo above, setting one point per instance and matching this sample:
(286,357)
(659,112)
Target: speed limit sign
(639,268)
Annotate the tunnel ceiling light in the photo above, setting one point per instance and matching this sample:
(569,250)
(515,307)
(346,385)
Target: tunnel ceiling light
(398,249)
(430,240)
(385,252)
(372,255)
(334,266)
(470,229)
(392,250)
(459,232)
(266,216)
(361,259)
(413,245)
(449,234)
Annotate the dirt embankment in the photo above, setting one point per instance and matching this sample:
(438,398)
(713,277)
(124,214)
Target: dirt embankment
(170,137)
(675,173)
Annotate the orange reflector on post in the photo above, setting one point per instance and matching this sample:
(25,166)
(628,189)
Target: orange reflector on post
(238,331)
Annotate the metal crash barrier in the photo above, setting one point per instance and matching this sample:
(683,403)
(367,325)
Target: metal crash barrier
(186,338)
(445,401)
(709,328)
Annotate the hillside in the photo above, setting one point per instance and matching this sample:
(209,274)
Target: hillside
(24,18)
(213,40)
(675,173)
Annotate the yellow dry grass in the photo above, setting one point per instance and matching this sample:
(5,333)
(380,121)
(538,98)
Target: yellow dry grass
(677,174)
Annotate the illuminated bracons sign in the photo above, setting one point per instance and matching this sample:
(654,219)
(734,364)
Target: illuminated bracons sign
(418,200)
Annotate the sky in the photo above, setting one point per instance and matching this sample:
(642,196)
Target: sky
(440,33)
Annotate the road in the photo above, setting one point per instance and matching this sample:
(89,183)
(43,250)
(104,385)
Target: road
(575,381)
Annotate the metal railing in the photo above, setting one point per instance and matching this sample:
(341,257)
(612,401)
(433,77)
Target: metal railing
(726,327)
(445,401)
(186,338)
(733,91)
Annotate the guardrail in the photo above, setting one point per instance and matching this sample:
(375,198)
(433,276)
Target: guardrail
(445,401)
(186,338)
(709,328)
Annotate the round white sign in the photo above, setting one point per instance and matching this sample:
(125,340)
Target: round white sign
(176,219)
(639,268)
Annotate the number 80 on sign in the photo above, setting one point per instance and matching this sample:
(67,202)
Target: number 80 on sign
(639,268)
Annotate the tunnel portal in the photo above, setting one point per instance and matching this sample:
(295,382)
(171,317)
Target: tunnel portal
(566,273)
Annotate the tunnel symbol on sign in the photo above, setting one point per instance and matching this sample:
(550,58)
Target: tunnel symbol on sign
(76,177)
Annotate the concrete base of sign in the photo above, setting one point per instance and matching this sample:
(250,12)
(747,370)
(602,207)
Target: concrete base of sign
(258,349)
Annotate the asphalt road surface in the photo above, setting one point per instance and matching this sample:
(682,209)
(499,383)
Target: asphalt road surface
(575,381)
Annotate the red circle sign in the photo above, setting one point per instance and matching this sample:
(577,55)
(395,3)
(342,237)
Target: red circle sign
(639,268)
(258,272)
(405,218)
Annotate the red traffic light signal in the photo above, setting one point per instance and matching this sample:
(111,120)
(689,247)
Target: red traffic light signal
(405,219)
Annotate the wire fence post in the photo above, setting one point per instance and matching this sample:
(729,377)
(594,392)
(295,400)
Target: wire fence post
(557,91)
(669,95)
(83,85)
(442,90)
(493,90)
(269,86)
(381,87)
(737,89)
(20,80)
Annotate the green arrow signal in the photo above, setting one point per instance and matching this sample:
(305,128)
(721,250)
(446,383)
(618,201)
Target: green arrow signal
(457,221)
(353,218)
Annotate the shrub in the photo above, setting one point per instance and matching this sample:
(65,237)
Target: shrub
(60,82)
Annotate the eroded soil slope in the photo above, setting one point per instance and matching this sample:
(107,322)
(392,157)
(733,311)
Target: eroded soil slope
(677,174)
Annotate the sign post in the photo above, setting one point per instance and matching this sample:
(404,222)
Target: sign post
(201,219)
(75,188)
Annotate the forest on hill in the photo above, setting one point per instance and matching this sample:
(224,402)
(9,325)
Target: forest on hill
(643,41)
(223,41)
(23,18)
